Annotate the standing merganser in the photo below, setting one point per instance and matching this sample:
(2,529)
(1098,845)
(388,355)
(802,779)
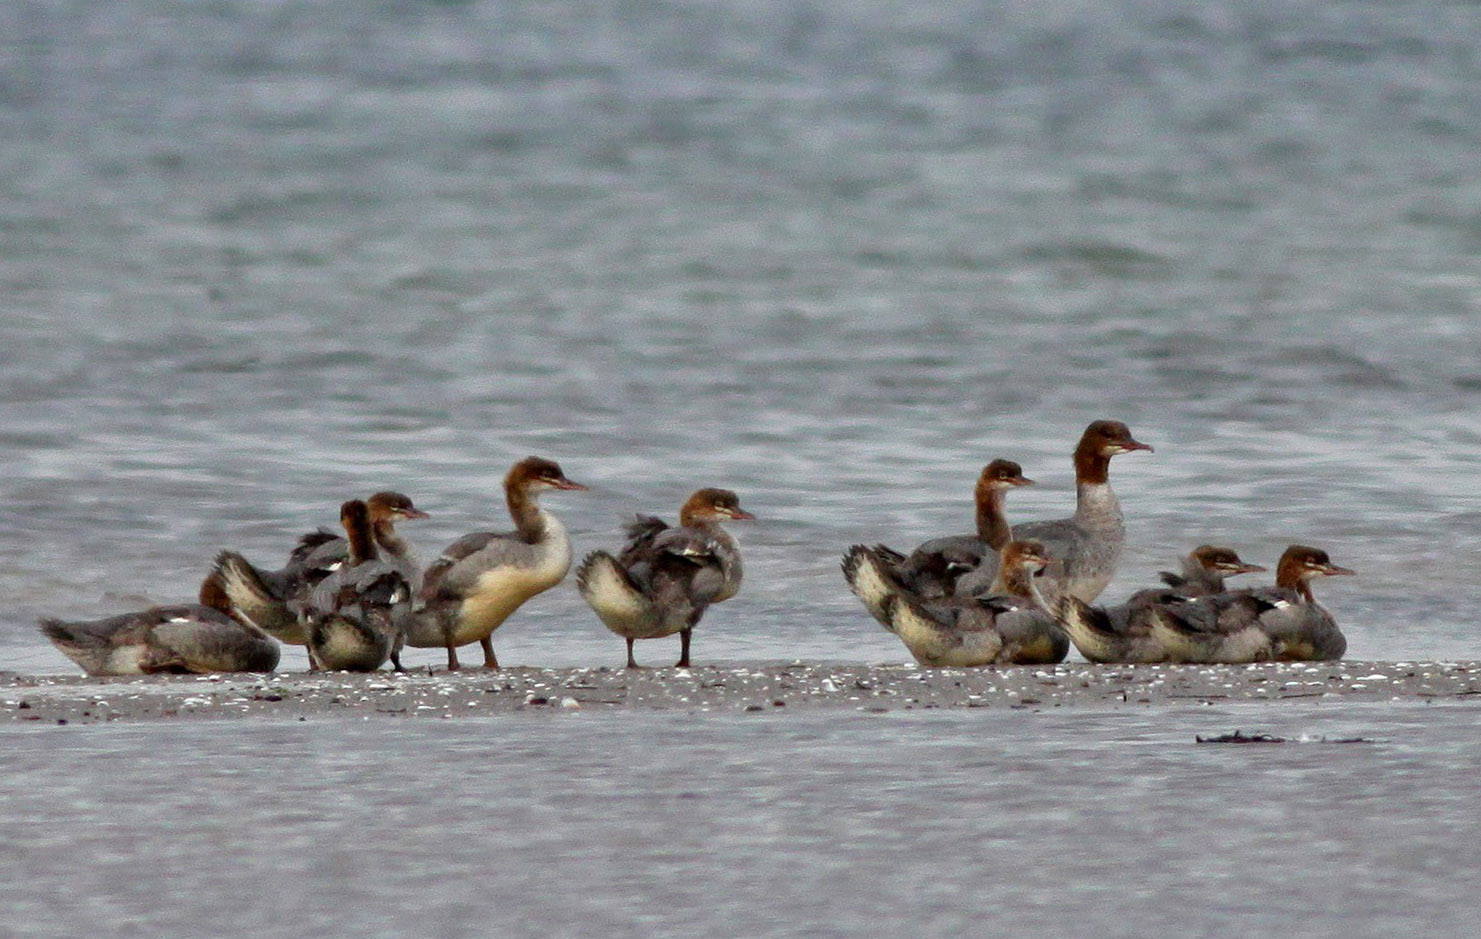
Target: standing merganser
(196,638)
(931,570)
(1006,627)
(482,578)
(1087,545)
(356,617)
(665,578)
(1283,622)
(263,597)
(1204,570)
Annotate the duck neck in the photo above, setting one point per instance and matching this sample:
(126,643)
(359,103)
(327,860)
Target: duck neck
(992,521)
(1096,505)
(362,543)
(384,532)
(1014,580)
(1291,575)
(524,508)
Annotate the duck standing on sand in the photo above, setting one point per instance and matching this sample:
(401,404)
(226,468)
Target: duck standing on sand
(201,638)
(665,578)
(1007,626)
(264,598)
(1283,622)
(356,617)
(931,570)
(483,577)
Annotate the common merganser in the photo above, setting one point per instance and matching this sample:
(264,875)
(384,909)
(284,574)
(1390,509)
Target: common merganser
(1087,545)
(665,578)
(200,638)
(1283,622)
(483,577)
(1006,627)
(1204,570)
(263,597)
(356,617)
(1128,631)
(931,570)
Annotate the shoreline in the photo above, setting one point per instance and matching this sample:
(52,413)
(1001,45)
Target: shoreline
(740,688)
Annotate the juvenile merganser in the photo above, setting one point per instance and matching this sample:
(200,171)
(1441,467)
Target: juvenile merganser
(1006,627)
(931,570)
(1283,622)
(1087,545)
(1112,634)
(665,578)
(356,617)
(263,597)
(482,578)
(199,638)
(1128,631)
(1204,570)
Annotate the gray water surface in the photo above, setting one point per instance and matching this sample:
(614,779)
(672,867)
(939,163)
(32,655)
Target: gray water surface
(1083,822)
(258,258)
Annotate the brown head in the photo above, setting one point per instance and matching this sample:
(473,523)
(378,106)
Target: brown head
(1018,562)
(1027,555)
(1101,441)
(535,474)
(1300,563)
(709,504)
(1222,561)
(392,507)
(1002,474)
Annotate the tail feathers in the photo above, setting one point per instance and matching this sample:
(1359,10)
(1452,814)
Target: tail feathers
(608,588)
(868,575)
(242,583)
(59,632)
(888,555)
(1075,613)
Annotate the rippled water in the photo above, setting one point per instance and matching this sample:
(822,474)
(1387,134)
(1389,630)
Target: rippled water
(256,258)
(943,824)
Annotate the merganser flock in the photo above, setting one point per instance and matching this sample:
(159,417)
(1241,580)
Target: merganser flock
(1004,595)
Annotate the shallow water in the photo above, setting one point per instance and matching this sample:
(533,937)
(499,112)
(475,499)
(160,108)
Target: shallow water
(1097,822)
(258,259)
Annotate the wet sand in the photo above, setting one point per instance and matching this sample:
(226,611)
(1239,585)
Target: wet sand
(739,687)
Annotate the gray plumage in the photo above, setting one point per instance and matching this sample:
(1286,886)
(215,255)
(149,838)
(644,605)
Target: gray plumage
(1087,545)
(356,617)
(483,577)
(188,638)
(1283,621)
(665,578)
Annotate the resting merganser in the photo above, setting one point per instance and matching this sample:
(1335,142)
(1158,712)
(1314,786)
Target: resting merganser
(1087,545)
(356,617)
(1112,634)
(665,578)
(1128,632)
(931,570)
(482,578)
(196,638)
(263,597)
(1204,570)
(1283,622)
(1006,627)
